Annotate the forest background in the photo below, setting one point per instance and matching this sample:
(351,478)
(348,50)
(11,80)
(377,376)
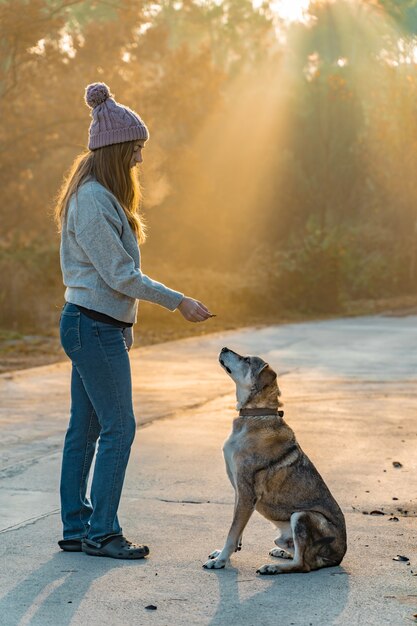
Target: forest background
(279,181)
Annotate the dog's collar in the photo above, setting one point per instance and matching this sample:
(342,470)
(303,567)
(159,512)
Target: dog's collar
(259,411)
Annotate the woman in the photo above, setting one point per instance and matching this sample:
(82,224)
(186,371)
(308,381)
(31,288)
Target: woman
(100,228)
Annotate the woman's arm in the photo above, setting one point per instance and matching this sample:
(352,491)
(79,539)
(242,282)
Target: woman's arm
(100,240)
(98,230)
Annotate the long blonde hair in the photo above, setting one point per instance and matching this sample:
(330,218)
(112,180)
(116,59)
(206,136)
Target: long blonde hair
(110,166)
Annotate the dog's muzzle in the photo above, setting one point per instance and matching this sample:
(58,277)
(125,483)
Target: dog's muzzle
(223,351)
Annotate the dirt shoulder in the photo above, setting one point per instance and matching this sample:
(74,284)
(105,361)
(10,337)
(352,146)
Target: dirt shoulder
(22,350)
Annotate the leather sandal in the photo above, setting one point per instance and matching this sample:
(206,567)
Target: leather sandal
(116,547)
(70,545)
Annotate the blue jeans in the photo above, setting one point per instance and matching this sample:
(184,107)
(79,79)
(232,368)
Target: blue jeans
(101,408)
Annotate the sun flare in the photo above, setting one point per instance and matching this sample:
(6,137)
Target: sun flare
(290,10)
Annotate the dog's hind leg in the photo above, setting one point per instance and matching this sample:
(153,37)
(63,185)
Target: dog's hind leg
(284,541)
(280,553)
(304,526)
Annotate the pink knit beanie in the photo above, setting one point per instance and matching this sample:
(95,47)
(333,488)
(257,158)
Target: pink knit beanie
(112,122)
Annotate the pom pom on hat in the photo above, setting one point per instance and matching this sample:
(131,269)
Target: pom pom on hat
(96,94)
(112,122)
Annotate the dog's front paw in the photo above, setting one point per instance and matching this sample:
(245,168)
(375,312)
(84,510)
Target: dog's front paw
(268,570)
(214,554)
(214,562)
(280,553)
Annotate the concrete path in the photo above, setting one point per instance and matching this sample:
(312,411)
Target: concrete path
(349,388)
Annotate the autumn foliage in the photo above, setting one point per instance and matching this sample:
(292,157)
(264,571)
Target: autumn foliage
(281,162)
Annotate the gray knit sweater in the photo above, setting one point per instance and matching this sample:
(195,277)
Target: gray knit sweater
(100,258)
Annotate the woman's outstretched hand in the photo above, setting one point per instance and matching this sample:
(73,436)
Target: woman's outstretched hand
(194,310)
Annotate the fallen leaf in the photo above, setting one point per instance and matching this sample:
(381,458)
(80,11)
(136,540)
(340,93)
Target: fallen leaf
(400,557)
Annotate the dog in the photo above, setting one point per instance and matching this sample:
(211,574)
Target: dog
(271,474)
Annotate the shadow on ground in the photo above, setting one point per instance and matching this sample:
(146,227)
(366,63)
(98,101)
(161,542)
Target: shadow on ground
(283,594)
(60,584)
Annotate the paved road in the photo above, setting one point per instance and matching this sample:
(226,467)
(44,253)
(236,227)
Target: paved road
(349,391)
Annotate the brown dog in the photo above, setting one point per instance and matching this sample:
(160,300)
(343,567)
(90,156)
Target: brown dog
(271,474)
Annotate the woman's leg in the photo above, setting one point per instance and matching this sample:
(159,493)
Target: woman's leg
(109,386)
(79,448)
(99,353)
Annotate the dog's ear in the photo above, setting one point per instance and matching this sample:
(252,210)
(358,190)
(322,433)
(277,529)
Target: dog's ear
(266,377)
